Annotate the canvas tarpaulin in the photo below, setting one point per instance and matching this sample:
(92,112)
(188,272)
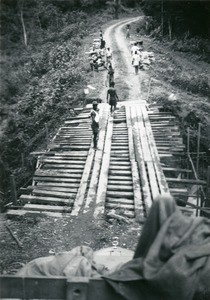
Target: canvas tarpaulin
(172,258)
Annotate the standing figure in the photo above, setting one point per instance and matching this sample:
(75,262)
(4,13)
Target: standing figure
(101,34)
(112,97)
(95,123)
(128,31)
(110,75)
(108,56)
(103,44)
(136,61)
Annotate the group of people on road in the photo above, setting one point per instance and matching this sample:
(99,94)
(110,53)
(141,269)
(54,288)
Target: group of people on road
(111,97)
(136,56)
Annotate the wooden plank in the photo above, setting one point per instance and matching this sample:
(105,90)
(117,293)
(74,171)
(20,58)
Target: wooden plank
(119,194)
(120,178)
(75,168)
(55,180)
(68,153)
(53,193)
(111,187)
(115,159)
(103,178)
(168,169)
(119,163)
(83,184)
(118,172)
(52,208)
(129,182)
(138,204)
(186,181)
(119,205)
(140,161)
(57,174)
(119,167)
(11,213)
(92,191)
(59,184)
(119,200)
(47,200)
(61,161)
(52,188)
(121,154)
(147,153)
(161,181)
(178,191)
(152,179)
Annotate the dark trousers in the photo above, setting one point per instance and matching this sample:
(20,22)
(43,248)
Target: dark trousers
(95,138)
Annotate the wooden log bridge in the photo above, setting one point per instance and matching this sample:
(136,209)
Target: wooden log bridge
(134,163)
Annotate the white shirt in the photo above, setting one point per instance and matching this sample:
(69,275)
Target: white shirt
(136,59)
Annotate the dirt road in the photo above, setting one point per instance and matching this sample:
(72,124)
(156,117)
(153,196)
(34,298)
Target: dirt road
(127,83)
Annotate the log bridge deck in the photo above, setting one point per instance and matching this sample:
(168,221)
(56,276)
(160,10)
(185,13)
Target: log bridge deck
(128,171)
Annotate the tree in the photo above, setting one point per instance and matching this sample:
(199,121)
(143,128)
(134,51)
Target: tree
(23,24)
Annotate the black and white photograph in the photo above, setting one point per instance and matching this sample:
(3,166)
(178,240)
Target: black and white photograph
(105,149)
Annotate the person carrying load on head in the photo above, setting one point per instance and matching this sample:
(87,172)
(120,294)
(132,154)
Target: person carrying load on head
(112,97)
(94,114)
(108,56)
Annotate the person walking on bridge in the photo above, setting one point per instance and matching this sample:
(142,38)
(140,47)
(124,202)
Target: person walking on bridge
(94,114)
(112,97)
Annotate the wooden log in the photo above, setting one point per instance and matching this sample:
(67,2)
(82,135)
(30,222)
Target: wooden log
(119,167)
(168,169)
(121,182)
(117,216)
(13,236)
(120,172)
(53,194)
(186,181)
(73,168)
(119,163)
(51,208)
(119,194)
(45,200)
(21,213)
(112,187)
(59,184)
(120,200)
(55,173)
(58,180)
(52,188)
(119,205)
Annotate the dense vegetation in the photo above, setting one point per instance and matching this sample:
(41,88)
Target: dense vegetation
(43,73)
